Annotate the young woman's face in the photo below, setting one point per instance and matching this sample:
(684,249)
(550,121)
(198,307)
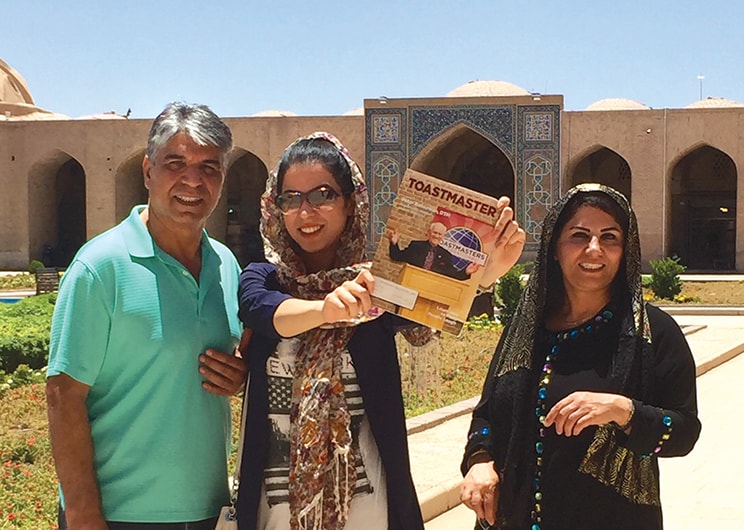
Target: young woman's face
(589,250)
(317,231)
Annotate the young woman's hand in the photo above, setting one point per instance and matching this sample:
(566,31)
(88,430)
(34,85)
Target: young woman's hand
(349,300)
(509,240)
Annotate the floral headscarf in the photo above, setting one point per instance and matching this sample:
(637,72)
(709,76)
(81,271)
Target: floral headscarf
(605,460)
(322,463)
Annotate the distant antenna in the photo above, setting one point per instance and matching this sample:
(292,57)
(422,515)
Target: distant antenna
(700,79)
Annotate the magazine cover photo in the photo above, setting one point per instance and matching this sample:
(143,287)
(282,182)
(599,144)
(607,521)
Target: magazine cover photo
(428,265)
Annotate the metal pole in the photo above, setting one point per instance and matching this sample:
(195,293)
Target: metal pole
(700,78)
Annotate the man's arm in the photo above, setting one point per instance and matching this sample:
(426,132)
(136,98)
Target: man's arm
(72,448)
(396,254)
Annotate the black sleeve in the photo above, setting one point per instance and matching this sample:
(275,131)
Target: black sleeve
(480,433)
(396,254)
(669,425)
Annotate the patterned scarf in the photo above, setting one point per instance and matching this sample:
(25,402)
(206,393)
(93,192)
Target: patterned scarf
(632,367)
(322,463)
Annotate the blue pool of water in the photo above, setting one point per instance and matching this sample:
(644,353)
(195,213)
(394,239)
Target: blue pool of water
(9,300)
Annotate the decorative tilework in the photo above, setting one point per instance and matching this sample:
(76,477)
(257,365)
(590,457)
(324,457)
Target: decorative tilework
(386,171)
(538,126)
(385,141)
(386,168)
(385,129)
(496,123)
(538,160)
(538,196)
(528,135)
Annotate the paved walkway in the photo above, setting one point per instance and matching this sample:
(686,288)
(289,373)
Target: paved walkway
(700,491)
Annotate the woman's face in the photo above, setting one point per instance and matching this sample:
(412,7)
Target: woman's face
(589,250)
(317,231)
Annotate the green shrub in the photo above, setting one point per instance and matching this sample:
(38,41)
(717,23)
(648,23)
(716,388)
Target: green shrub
(34,266)
(509,291)
(24,332)
(665,282)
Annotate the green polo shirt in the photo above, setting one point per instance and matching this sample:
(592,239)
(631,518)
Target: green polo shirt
(130,321)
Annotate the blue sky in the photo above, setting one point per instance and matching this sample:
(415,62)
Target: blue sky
(325,57)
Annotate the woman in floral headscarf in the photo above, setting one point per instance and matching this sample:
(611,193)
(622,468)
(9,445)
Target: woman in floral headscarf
(326,445)
(588,385)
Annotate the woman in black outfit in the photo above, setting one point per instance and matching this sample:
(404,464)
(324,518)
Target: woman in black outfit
(589,385)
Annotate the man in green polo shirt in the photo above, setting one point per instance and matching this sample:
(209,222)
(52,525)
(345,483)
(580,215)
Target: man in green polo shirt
(143,348)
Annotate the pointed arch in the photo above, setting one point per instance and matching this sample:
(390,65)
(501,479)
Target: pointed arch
(237,216)
(57,209)
(130,185)
(603,165)
(463,156)
(702,222)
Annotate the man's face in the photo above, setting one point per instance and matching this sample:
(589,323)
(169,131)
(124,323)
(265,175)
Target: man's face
(185,182)
(436,234)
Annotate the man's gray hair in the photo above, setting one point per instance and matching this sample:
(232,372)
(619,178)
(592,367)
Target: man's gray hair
(197,121)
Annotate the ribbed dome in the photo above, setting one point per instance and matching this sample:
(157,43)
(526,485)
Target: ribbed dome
(617,104)
(273,114)
(487,88)
(714,103)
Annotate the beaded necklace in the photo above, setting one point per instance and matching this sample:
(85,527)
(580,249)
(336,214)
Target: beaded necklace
(546,376)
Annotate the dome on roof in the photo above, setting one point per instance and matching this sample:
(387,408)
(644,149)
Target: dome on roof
(714,103)
(359,111)
(487,88)
(273,114)
(13,88)
(617,104)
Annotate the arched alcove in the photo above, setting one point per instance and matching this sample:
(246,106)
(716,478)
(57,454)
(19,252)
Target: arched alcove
(605,166)
(463,156)
(130,186)
(237,216)
(703,210)
(57,211)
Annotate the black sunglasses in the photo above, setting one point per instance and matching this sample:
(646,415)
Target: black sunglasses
(321,198)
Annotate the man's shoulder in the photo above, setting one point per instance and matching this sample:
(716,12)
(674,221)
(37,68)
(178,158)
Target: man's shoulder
(418,243)
(106,247)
